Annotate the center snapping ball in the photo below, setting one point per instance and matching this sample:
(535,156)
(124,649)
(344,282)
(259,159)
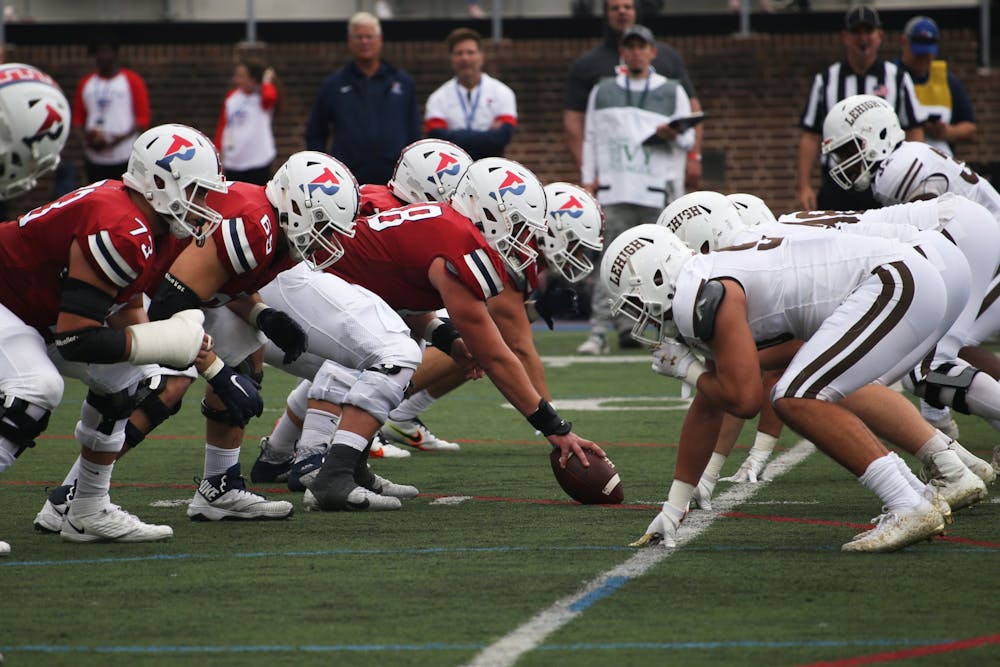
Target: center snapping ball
(598,484)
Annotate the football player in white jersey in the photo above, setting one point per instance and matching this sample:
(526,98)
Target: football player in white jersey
(872,324)
(952,232)
(863,135)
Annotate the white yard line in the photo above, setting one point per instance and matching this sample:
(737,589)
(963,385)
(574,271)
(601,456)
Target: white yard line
(508,649)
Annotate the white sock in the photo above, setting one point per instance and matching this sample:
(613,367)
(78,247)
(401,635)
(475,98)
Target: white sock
(412,407)
(94,480)
(7,451)
(352,440)
(884,479)
(219,460)
(318,429)
(936,444)
(680,495)
(74,473)
(907,474)
(281,442)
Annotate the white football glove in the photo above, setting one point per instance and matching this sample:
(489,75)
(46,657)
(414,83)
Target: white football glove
(674,359)
(752,468)
(174,342)
(702,497)
(660,533)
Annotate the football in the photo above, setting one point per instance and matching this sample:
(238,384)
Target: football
(597,485)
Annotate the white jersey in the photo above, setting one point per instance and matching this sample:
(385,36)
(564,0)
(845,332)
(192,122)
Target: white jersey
(792,284)
(455,107)
(915,169)
(903,222)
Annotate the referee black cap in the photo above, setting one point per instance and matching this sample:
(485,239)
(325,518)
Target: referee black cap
(862,16)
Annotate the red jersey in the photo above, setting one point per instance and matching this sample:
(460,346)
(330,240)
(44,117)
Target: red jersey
(391,253)
(116,240)
(378,198)
(247,242)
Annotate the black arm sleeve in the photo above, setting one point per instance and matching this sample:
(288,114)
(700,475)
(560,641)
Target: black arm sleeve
(172,296)
(92,345)
(83,299)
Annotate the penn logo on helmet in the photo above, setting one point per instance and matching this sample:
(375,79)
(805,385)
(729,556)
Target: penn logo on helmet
(51,128)
(327,182)
(180,149)
(571,207)
(447,165)
(512,184)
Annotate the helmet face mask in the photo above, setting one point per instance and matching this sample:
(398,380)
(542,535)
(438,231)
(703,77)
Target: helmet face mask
(574,232)
(34,126)
(858,133)
(175,167)
(507,203)
(640,270)
(317,199)
(704,221)
(428,171)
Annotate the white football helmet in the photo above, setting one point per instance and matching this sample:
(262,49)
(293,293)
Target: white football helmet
(175,167)
(859,132)
(704,221)
(752,209)
(34,126)
(428,170)
(575,229)
(317,198)
(640,270)
(507,203)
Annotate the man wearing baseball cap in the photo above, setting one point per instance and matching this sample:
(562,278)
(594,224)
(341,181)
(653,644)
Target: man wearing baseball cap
(861,72)
(950,117)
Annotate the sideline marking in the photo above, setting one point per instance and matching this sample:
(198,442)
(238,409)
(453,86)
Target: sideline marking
(529,636)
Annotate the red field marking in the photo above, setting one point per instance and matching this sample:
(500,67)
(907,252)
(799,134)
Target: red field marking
(905,654)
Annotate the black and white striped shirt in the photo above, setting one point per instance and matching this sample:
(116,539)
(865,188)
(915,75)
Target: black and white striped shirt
(883,79)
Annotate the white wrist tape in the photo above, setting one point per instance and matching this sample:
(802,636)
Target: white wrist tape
(213,368)
(174,342)
(255,312)
(694,371)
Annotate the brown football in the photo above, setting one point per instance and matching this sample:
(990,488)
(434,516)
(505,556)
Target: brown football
(598,484)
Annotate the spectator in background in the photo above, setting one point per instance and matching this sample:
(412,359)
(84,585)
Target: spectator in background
(861,72)
(950,118)
(472,109)
(243,135)
(110,109)
(633,159)
(370,105)
(602,61)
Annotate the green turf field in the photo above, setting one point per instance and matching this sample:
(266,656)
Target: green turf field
(492,564)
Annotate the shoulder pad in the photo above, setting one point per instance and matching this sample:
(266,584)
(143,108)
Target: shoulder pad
(706,306)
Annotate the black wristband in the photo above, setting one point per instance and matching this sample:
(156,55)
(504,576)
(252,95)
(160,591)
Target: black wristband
(443,336)
(548,421)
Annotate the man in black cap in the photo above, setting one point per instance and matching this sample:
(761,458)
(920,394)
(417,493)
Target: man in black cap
(861,72)
(950,118)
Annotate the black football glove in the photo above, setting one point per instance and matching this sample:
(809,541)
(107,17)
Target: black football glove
(284,331)
(240,394)
(557,301)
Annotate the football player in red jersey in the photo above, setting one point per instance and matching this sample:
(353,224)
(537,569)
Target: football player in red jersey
(83,261)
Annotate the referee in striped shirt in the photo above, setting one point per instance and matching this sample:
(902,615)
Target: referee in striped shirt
(862,72)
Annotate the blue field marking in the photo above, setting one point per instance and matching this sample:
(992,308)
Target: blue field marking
(441,646)
(609,586)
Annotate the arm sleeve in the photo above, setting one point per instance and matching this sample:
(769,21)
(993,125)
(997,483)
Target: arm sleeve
(268,95)
(140,99)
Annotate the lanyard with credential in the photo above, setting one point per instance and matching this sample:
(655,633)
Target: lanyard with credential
(628,92)
(469,112)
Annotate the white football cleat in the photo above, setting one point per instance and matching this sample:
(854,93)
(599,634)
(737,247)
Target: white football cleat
(594,345)
(897,529)
(412,432)
(110,523)
(359,499)
(225,496)
(382,449)
(980,468)
(50,518)
(953,481)
(996,459)
(4,549)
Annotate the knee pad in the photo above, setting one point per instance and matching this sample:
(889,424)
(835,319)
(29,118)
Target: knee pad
(96,431)
(150,402)
(379,389)
(944,377)
(107,409)
(21,422)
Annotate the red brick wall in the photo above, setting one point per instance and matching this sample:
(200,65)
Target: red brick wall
(753,88)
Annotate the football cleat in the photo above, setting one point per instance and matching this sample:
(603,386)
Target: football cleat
(368,479)
(50,518)
(4,549)
(110,523)
(895,530)
(358,499)
(381,449)
(953,481)
(980,468)
(595,344)
(996,459)
(225,496)
(265,469)
(412,432)
(304,471)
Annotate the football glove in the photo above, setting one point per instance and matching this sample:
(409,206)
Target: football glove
(674,359)
(284,332)
(752,468)
(240,394)
(661,532)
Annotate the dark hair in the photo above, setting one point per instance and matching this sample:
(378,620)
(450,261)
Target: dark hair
(97,41)
(255,68)
(462,34)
